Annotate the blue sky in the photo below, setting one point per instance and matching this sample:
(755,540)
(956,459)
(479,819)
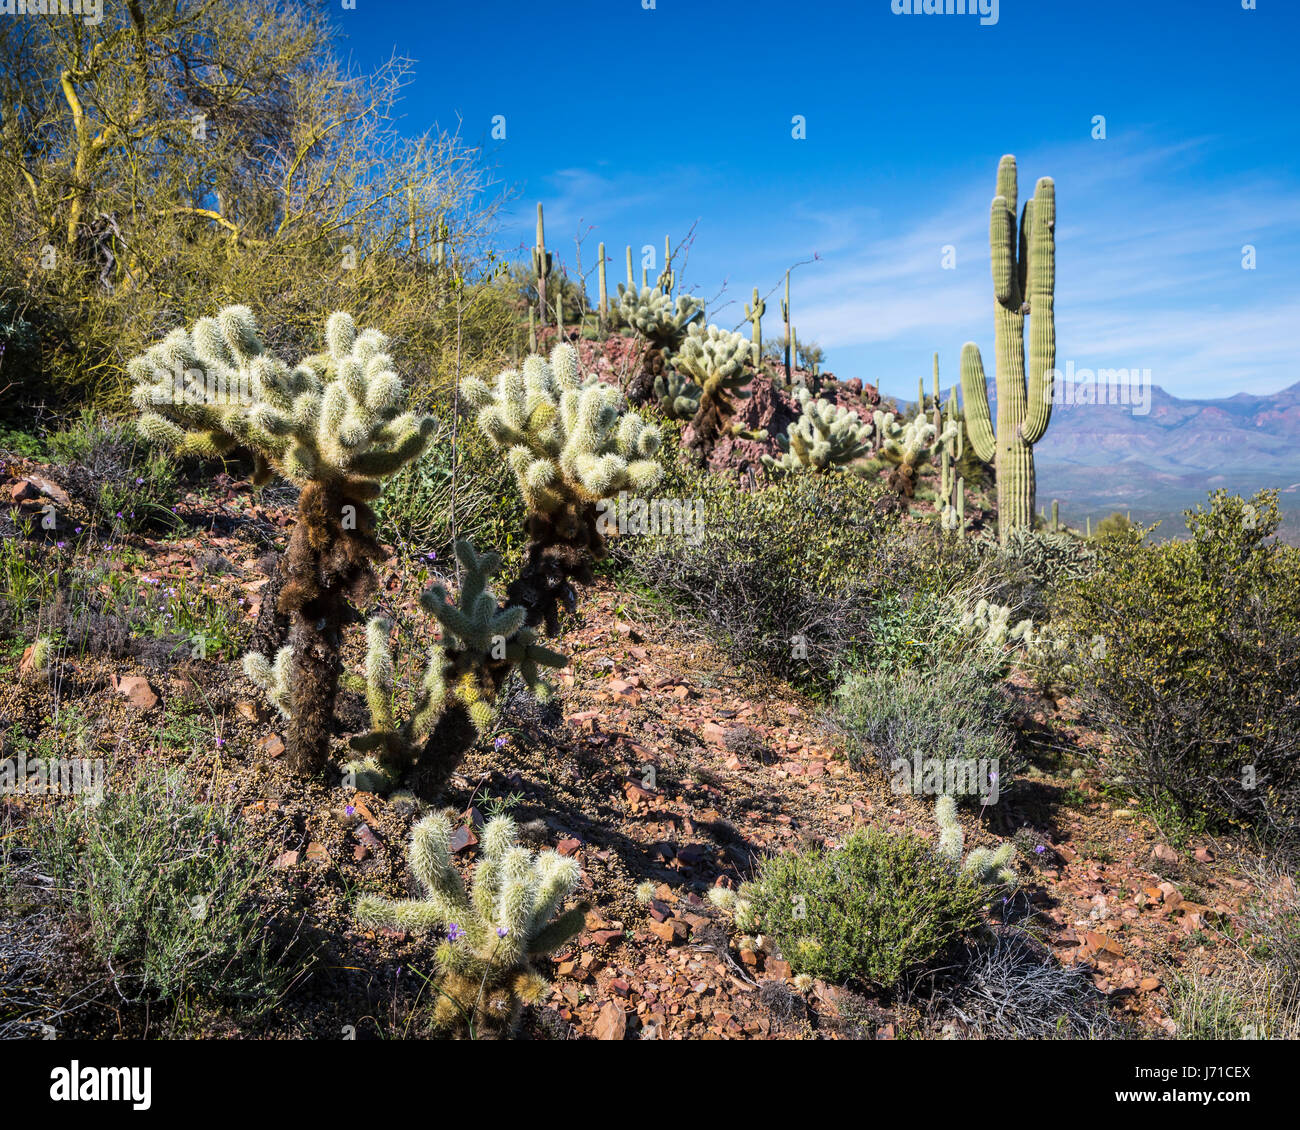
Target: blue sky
(629,124)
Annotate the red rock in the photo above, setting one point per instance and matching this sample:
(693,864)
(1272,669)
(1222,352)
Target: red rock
(316,853)
(620,986)
(778,969)
(270,746)
(606,937)
(1148,984)
(611,1024)
(672,931)
(1204,855)
(569,846)
(462,839)
(23,491)
(137,692)
(287,859)
(360,853)
(1164,853)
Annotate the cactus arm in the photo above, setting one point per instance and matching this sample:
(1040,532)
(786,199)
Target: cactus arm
(1042,315)
(975,392)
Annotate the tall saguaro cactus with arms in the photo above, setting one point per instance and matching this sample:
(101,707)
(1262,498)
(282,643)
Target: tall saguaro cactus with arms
(1024,284)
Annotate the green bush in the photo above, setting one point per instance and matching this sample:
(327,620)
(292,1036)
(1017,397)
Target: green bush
(781,575)
(954,711)
(875,910)
(165,886)
(1193,666)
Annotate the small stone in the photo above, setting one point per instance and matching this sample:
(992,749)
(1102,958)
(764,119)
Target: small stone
(611,1024)
(287,859)
(462,839)
(672,931)
(1204,855)
(1164,853)
(569,846)
(137,692)
(271,746)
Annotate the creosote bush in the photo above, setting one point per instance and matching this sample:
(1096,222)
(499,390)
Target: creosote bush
(879,908)
(1194,666)
(781,576)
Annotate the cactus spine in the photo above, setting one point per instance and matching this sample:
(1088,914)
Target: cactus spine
(754,313)
(541,265)
(1024,284)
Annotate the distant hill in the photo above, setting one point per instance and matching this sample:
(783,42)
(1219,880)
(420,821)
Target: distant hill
(1098,458)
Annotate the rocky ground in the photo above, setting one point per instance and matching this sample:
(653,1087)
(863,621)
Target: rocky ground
(657,762)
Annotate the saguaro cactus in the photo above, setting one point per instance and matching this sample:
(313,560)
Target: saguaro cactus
(604,292)
(785,317)
(335,426)
(754,313)
(541,266)
(495,932)
(1024,284)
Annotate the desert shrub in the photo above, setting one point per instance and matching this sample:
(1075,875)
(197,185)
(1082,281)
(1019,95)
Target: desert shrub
(875,910)
(1115,523)
(954,711)
(1195,667)
(129,251)
(1035,567)
(123,481)
(1012,988)
(459,486)
(780,575)
(164,884)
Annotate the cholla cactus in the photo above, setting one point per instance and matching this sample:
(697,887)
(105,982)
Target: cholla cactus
(825,437)
(496,932)
(991,624)
(663,322)
(984,864)
(678,396)
(908,447)
(272,677)
(571,444)
(334,418)
(481,643)
(717,360)
(334,424)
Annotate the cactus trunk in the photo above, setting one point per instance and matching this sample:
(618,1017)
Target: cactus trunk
(604,292)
